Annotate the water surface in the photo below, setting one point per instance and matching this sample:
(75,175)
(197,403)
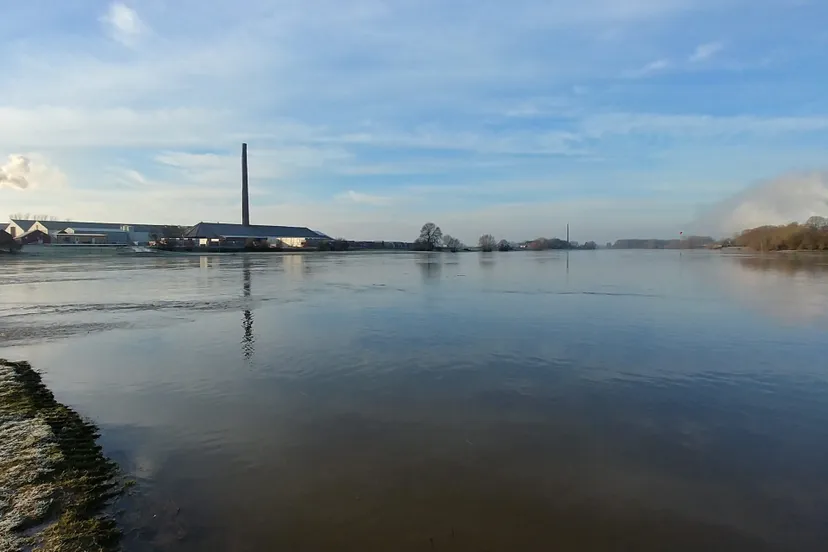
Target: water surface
(603,400)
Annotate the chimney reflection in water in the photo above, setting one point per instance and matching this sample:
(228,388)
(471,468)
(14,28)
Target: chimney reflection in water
(248,339)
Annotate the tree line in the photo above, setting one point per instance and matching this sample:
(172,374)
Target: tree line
(432,238)
(689,242)
(811,236)
(42,218)
(542,244)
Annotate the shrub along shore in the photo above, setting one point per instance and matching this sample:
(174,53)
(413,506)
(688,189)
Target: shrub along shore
(55,483)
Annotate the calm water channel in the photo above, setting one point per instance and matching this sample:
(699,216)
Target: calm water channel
(405,402)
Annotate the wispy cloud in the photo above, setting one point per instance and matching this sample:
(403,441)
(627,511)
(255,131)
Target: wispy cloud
(365,199)
(652,67)
(123,24)
(699,125)
(705,51)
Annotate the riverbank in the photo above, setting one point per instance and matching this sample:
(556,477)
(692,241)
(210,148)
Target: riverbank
(55,482)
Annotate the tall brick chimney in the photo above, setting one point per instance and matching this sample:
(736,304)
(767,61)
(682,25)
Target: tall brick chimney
(245,203)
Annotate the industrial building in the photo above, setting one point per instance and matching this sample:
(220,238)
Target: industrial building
(215,233)
(12,228)
(84,233)
(215,236)
(204,236)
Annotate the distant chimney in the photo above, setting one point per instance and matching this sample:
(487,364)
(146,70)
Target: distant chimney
(245,203)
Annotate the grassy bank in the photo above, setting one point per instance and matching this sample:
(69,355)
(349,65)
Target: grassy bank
(55,482)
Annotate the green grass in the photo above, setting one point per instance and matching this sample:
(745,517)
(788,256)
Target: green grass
(55,482)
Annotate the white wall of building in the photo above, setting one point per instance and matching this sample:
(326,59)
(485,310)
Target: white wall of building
(14,229)
(290,242)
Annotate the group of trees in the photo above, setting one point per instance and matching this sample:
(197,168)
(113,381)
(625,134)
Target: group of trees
(690,242)
(339,244)
(488,243)
(432,238)
(542,244)
(811,236)
(30,216)
(170,232)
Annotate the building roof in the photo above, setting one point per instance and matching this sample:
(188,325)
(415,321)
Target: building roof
(101,231)
(30,232)
(23,223)
(57,226)
(222,230)
(60,225)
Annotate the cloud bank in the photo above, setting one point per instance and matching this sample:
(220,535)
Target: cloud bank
(14,174)
(792,197)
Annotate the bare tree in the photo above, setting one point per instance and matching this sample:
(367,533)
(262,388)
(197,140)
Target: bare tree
(451,243)
(487,242)
(817,222)
(430,236)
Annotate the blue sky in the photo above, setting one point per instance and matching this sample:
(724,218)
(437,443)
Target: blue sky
(367,118)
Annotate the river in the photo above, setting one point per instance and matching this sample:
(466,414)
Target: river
(605,400)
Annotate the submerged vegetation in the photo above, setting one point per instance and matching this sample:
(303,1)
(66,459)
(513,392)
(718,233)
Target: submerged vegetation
(55,482)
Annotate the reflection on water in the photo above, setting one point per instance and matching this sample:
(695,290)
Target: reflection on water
(431,265)
(789,263)
(792,287)
(247,318)
(531,401)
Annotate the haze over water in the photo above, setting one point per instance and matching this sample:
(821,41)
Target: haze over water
(609,400)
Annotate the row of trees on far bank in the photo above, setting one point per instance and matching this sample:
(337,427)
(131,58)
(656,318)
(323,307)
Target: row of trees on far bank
(432,238)
(811,236)
(689,242)
(488,243)
(542,244)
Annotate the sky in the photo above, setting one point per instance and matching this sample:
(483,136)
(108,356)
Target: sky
(367,118)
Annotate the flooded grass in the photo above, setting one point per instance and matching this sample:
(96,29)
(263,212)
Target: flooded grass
(55,482)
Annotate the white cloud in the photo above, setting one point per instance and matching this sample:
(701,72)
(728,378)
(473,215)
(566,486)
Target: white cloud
(123,24)
(705,51)
(792,197)
(652,67)
(71,127)
(697,125)
(14,174)
(30,171)
(433,137)
(365,199)
(269,163)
